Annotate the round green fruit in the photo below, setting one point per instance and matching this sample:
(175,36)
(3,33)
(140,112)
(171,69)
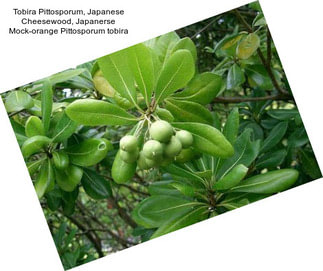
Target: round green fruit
(142,162)
(129,157)
(152,149)
(173,147)
(185,155)
(129,143)
(185,138)
(161,130)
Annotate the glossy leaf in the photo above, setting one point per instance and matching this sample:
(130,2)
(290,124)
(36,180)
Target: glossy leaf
(117,72)
(309,164)
(64,128)
(89,152)
(65,75)
(152,212)
(268,183)
(271,159)
(232,178)
(34,127)
(188,111)
(121,171)
(34,166)
(95,185)
(141,65)
(275,136)
(207,139)
(46,104)
(45,178)
(163,188)
(202,89)
(248,46)
(17,101)
(245,152)
(93,112)
(231,126)
(235,77)
(181,172)
(258,77)
(283,114)
(34,144)
(69,178)
(176,73)
(188,44)
(197,214)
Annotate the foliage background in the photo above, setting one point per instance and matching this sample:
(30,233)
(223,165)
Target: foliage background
(94,228)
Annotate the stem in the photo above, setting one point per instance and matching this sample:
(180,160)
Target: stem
(277,97)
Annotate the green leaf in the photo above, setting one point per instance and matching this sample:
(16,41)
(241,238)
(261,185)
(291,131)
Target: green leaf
(17,101)
(207,139)
(188,44)
(33,166)
(176,73)
(64,76)
(245,152)
(309,164)
(64,128)
(268,183)
(116,70)
(95,185)
(188,111)
(34,126)
(232,178)
(93,112)
(34,144)
(258,77)
(235,77)
(152,212)
(236,200)
(164,114)
(141,65)
(163,45)
(185,189)
(69,178)
(283,114)
(197,214)
(202,89)
(45,178)
(248,46)
(231,126)
(259,20)
(181,172)
(121,171)
(229,42)
(89,152)
(163,188)
(275,136)
(46,104)
(271,159)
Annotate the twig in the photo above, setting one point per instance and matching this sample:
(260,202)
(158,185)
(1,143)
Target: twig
(280,97)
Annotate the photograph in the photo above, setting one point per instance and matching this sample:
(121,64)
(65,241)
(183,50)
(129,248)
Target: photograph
(161,135)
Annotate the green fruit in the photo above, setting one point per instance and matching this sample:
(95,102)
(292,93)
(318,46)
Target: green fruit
(129,157)
(161,130)
(151,163)
(142,162)
(185,155)
(61,160)
(129,143)
(173,147)
(185,138)
(121,171)
(89,152)
(152,149)
(69,178)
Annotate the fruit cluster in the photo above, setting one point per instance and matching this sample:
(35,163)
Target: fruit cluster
(162,148)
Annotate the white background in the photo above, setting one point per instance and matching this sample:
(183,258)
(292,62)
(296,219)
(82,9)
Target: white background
(283,232)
